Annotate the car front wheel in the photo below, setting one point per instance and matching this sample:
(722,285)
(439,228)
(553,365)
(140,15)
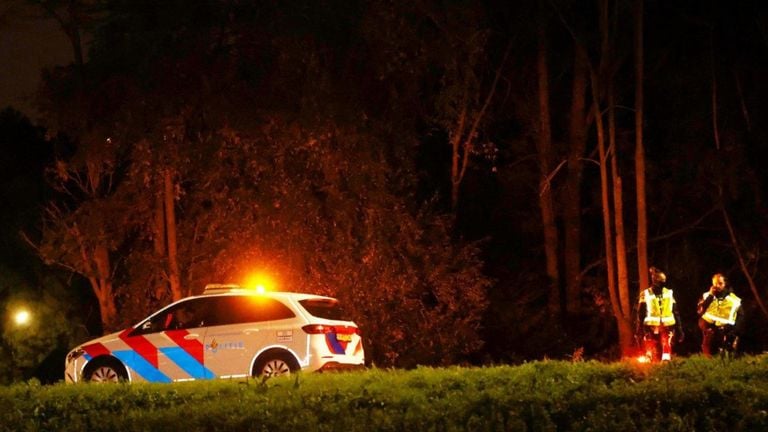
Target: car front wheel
(105,371)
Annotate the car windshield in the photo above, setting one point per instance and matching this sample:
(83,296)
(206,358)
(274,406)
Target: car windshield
(325,308)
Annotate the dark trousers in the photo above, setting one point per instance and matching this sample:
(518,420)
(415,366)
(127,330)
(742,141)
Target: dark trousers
(714,338)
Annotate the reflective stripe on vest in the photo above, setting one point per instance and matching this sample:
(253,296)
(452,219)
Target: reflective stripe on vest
(658,310)
(722,312)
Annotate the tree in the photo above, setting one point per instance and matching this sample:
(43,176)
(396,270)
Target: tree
(642,222)
(572,206)
(625,305)
(324,210)
(393,263)
(73,17)
(447,54)
(547,172)
(611,187)
(90,226)
(82,231)
(618,297)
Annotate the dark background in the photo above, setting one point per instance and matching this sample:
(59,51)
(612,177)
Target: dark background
(396,63)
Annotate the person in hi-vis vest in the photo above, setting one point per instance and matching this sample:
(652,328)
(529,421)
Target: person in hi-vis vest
(658,319)
(720,317)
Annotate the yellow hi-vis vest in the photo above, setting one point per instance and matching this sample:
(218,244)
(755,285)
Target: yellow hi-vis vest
(722,312)
(658,309)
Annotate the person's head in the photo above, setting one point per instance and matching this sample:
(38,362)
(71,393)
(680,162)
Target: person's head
(658,278)
(719,283)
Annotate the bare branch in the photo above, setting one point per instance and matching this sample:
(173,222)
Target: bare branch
(29,241)
(66,266)
(742,263)
(715,129)
(456,141)
(548,179)
(469,143)
(743,103)
(685,228)
(682,230)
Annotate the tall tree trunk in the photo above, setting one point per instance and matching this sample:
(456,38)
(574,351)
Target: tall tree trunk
(95,265)
(615,259)
(95,256)
(101,284)
(107,308)
(572,192)
(174,277)
(642,222)
(457,143)
(544,147)
(625,333)
(159,228)
(605,200)
(622,322)
(160,237)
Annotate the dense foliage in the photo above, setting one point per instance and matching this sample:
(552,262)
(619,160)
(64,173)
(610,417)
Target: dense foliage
(694,394)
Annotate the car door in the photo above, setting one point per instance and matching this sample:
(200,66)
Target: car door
(169,345)
(242,330)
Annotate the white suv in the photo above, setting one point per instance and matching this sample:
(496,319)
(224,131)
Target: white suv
(228,332)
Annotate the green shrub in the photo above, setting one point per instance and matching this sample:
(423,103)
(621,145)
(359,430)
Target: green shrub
(687,394)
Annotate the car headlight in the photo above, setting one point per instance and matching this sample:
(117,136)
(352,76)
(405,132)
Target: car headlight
(74,355)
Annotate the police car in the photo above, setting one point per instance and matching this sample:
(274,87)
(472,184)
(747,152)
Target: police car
(227,332)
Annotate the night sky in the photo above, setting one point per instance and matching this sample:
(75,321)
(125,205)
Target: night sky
(29,42)
(336,112)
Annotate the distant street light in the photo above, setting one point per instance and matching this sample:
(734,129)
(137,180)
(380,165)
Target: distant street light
(21,317)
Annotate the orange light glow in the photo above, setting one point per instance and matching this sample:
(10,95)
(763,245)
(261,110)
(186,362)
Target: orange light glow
(261,282)
(643,359)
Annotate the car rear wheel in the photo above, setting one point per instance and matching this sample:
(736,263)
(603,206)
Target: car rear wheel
(274,365)
(105,371)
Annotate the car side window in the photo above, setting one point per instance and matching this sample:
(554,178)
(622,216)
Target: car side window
(152,325)
(244,309)
(272,310)
(325,308)
(188,314)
